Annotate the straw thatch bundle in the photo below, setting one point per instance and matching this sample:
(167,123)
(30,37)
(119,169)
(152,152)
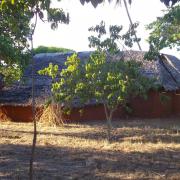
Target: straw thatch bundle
(52,115)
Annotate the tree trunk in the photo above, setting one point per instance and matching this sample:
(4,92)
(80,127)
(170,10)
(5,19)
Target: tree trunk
(109,127)
(34,137)
(130,20)
(35,128)
(31,170)
(109,122)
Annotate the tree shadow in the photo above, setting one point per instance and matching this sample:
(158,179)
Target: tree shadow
(53,162)
(132,131)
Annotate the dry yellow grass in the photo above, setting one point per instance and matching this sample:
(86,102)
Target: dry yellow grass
(51,116)
(140,149)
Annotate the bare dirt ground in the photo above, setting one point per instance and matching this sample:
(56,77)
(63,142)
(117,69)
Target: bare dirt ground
(140,149)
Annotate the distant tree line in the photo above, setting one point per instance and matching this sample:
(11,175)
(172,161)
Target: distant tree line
(45,49)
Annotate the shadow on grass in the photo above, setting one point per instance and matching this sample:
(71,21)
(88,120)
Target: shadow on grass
(71,163)
(135,131)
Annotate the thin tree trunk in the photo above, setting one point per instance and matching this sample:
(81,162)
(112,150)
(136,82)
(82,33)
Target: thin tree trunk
(109,127)
(56,111)
(109,124)
(31,170)
(130,20)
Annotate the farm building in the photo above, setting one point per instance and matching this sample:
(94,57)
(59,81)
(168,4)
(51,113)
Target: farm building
(15,101)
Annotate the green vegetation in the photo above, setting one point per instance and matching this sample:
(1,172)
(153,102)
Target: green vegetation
(44,49)
(111,44)
(108,82)
(16,28)
(165,32)
(11,73)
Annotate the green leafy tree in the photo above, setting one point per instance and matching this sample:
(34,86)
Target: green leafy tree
(101,79)
(16,29)
(111,83)
(108,82)
(165,32)
(12,39)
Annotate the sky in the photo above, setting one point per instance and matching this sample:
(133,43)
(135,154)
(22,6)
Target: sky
(75,35)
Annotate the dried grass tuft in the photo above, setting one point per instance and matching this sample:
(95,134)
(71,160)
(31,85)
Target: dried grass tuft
(52,116)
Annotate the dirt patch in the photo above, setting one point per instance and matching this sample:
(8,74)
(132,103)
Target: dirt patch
(141,149)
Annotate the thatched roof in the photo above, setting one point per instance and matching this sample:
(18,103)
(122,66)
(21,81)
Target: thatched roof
(1,81)
(166,69)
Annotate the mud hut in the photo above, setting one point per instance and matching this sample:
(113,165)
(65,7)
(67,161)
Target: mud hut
(15,101)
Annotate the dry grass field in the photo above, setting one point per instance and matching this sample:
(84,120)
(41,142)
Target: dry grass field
(140,149)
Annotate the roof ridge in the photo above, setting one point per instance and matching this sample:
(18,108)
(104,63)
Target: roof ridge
(162,58)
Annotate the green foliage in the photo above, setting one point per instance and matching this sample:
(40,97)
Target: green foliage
(12,60)
(110,83)
(16,28)
(44,49)
(115,82)
(104,80)
(69,83)
(51,70)
(111,43)
(107,81)
(11,73)
(165,32)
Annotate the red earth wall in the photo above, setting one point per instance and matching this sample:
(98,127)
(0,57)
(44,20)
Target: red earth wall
(92,113)
(150,108)
(176,103)
(17,113)
(153,107)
